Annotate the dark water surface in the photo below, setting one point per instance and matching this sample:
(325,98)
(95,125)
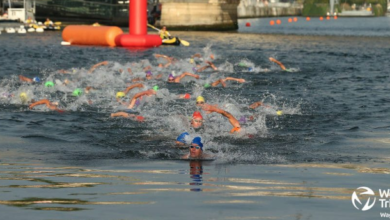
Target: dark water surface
(303,164)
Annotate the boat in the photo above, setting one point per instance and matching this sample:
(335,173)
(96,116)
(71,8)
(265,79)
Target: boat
(174,41)
(356,13)
(10,30)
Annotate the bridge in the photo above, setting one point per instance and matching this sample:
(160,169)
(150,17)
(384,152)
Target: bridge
(176,14)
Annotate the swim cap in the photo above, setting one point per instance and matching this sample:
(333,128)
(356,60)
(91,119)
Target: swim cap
(155,88)
(197,115)
(242,119)
(23,96)
(171,76)
(182,137)
(77,92)
(194,69)
(49,84)
(149,73)
(140,118)
(120,94)
(279,112)
(250,69)
(187,96)
(207,85)
(198,141)
(137,102)
(36,79)
(192,60)
(200,99)
(242,64)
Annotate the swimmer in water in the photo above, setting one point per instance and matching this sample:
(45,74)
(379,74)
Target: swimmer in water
(104,63)
(185,96)
(196,150)
(278,62)
(196,126)
(128,115)
(213,108)
(169,60)
(50,105)
(210,65)
(257,104)
(173,79)
(148,92)
(148,76)
(26,79)
(223,81)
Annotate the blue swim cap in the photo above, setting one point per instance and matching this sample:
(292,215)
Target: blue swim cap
(250,69)
(36,79)
(182,137)
(198,141)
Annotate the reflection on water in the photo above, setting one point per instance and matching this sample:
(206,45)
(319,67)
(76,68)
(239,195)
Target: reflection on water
(196,172)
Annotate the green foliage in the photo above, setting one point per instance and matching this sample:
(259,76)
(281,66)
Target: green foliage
(315,9)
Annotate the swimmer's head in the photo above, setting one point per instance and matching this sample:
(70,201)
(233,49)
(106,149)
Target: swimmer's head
(140,118)
(279,112)
(196,147)
(49,84)
(194,69)
(36,79)
(197,120)
(199,100)
(192,60)
(149,75)
(77,92)
(182,137)
(207,85)
(23,97)
(155,88)
(120,95)
(171,78)
(55,103)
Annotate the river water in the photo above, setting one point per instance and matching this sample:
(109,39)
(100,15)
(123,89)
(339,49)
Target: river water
(303,164)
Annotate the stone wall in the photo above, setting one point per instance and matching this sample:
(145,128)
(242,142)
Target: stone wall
(265,8)
(199,14)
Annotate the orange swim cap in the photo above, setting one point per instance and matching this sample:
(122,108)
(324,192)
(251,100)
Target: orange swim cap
(187,96)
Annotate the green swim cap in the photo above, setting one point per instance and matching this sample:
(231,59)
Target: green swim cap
(155,88)
(49,84)
(207,85)
(77,92)
(242,64)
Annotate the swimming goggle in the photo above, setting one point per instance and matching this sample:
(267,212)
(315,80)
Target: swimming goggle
(197,147)
(197,121)
(198,103)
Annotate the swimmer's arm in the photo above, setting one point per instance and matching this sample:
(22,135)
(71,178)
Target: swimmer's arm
(147,68)
(212,65)
(40,102)
(201,69)
(97,65)
(138,95)
(139,85)
(257,104)
(277,62)
(24,79)
(216,83)
(197,55)
(177,79)
(122,114)
(235,79)
(130,71)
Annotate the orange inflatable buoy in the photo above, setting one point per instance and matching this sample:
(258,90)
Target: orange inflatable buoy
(295,19)
(89,35)
(327,18)
(307,18)
(335,17)
(289,20)
(321,18)
(271,22)
(278,21)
